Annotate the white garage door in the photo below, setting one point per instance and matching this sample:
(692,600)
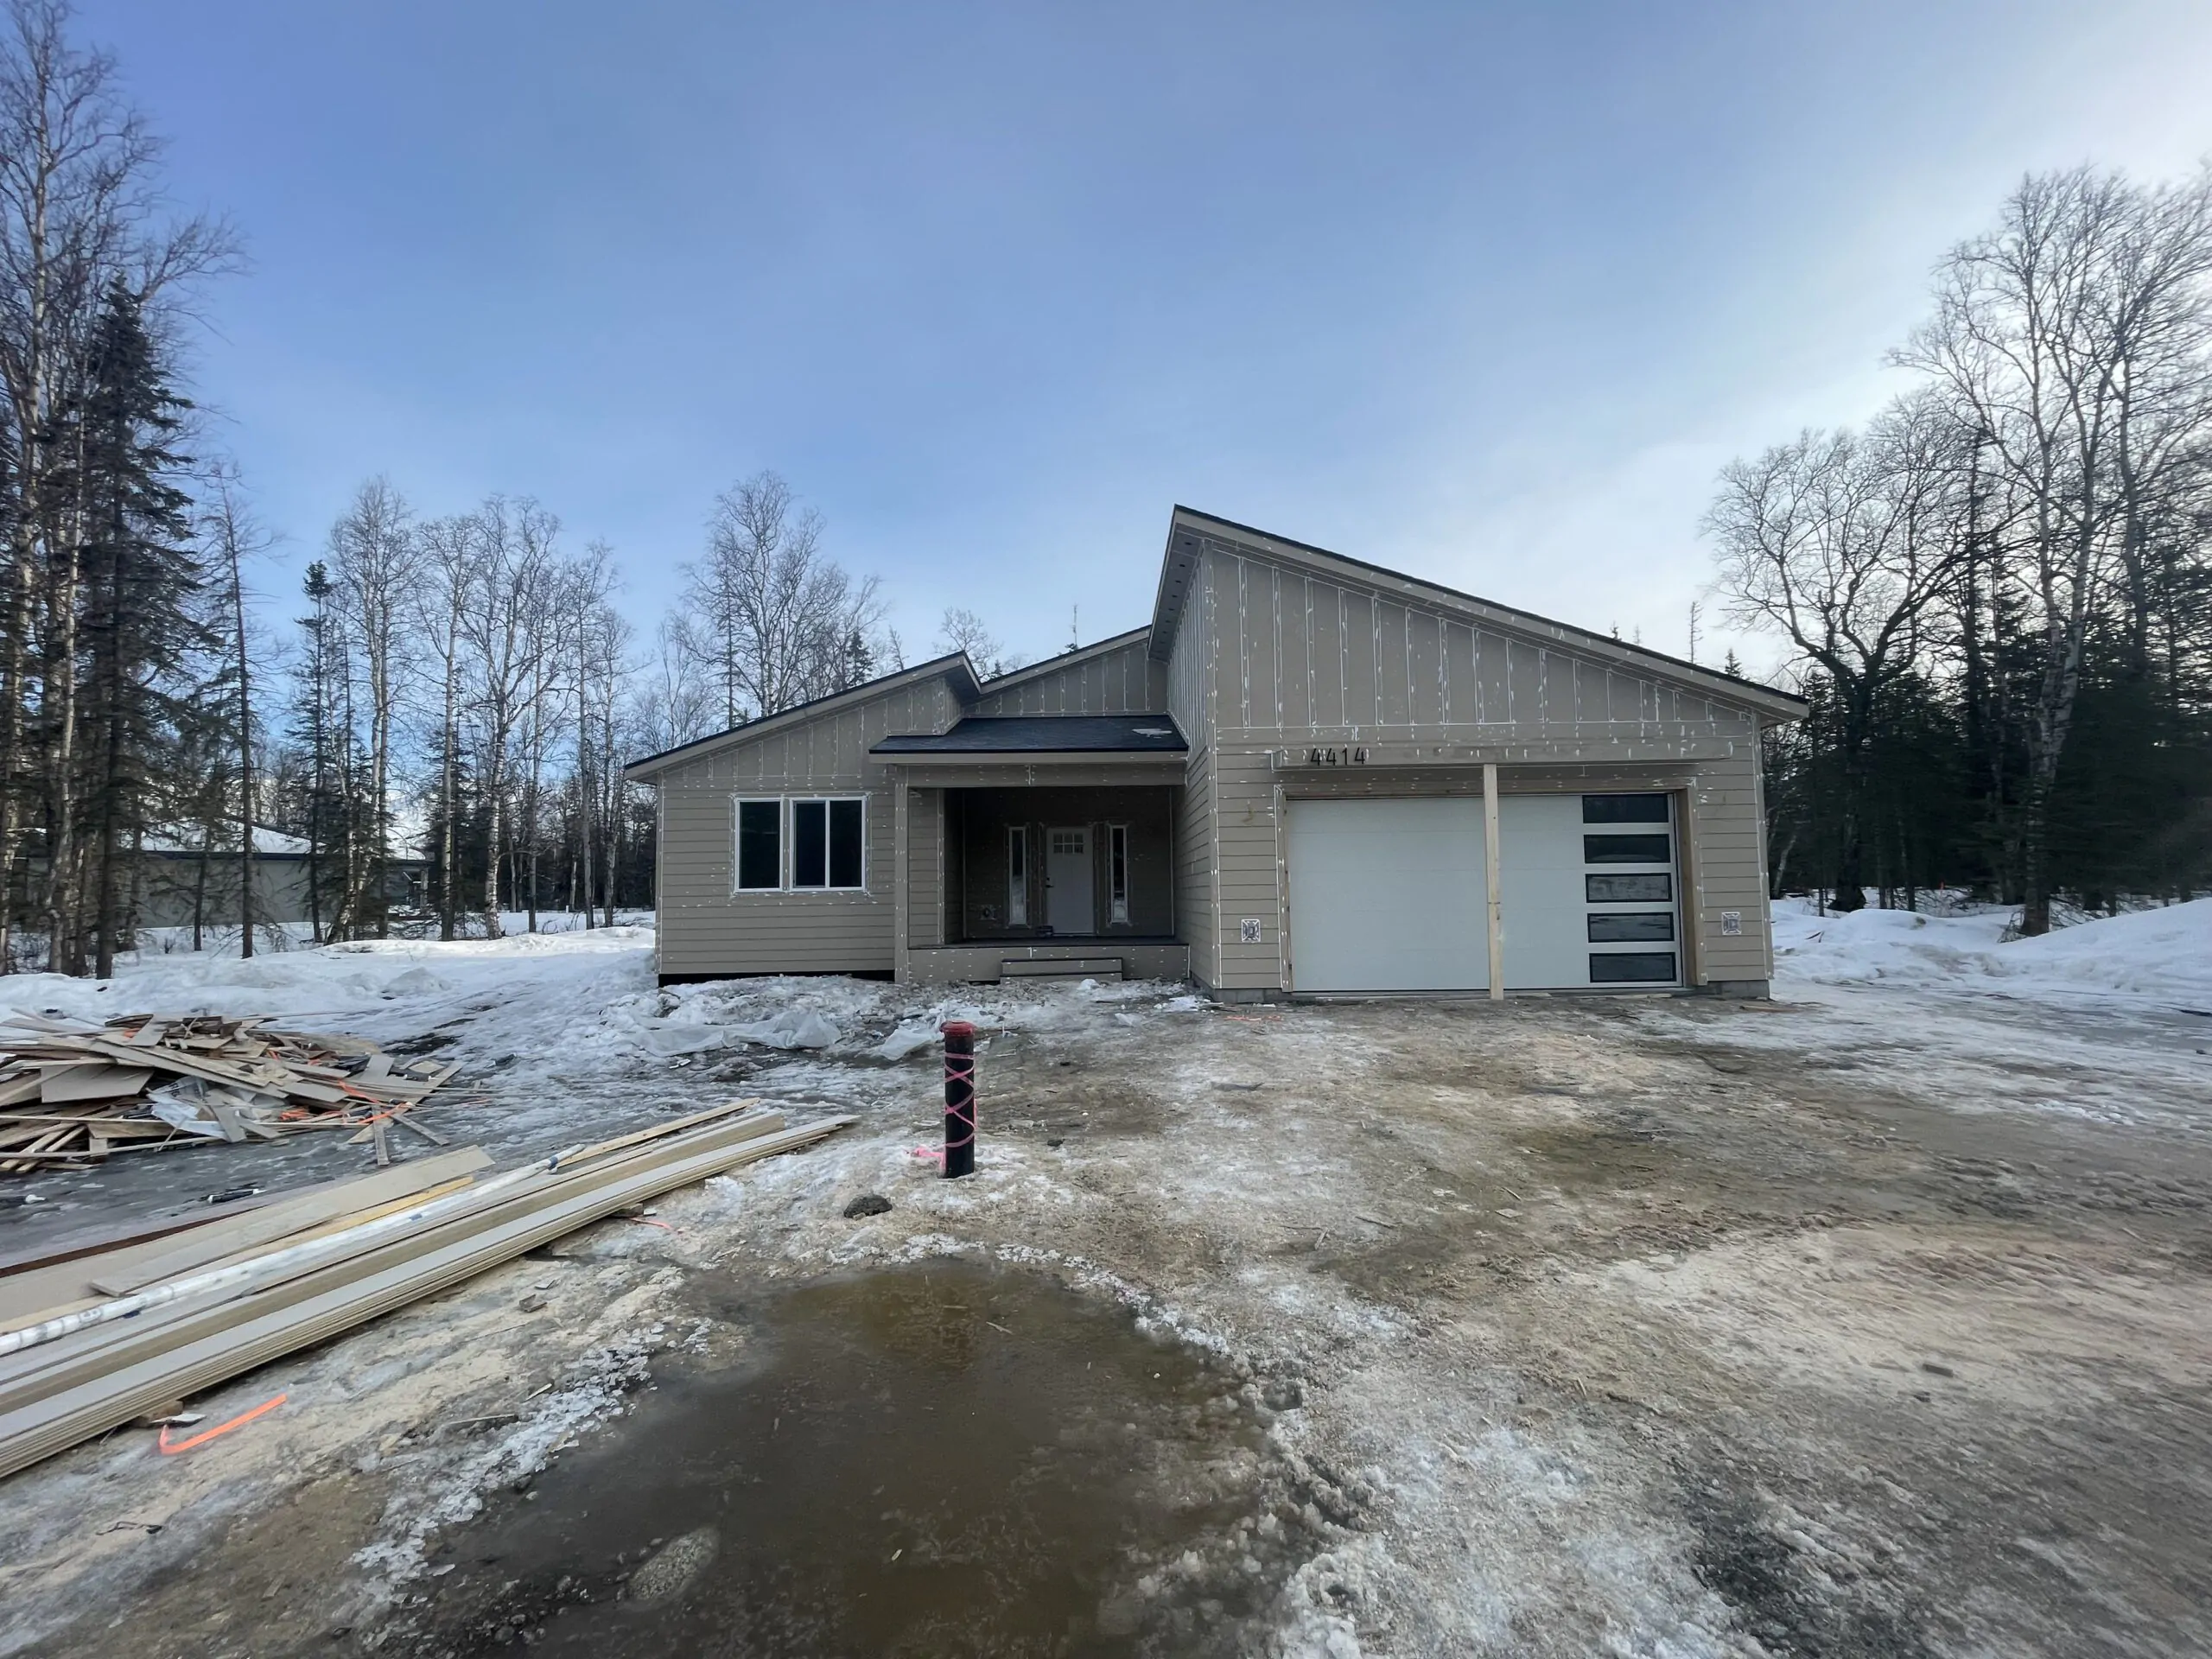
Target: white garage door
(1388,896)
(1586,891)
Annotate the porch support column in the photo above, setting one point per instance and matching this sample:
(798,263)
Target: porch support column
(898,858)
(1494,914)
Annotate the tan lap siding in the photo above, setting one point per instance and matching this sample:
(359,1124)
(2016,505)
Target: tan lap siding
(1728,870)
(705,927)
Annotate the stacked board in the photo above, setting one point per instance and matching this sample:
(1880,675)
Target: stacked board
(91,1339)
(73,1093)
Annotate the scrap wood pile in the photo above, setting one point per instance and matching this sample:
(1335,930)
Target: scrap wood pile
(73,1093)
(95,1332)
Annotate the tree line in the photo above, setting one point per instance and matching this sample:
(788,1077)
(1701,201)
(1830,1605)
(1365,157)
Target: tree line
(442,726)
(1997,594)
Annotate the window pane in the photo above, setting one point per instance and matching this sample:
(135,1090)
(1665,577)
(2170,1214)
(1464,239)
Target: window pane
(1017,875)
(810,844)
(845,825)
(1626,849)
(1630,967)
(1624,808)
(1636,926)
(1629,889)
(759,863)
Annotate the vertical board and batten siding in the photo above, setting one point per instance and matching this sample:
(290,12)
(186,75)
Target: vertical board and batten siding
(704,927)
(1191,675)
(1122,681)
(1270,656)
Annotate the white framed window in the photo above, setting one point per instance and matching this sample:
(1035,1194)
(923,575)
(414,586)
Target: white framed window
(758,826)
(1117,872)
(1017,874)
(829,843)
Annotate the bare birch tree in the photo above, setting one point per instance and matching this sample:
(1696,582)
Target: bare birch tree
(511,600)
(780,618)
(377,560)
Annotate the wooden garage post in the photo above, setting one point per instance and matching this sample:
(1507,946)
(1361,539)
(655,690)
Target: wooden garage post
(1496,916)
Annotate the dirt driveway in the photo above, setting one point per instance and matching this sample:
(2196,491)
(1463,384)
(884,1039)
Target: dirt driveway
(1864,1325)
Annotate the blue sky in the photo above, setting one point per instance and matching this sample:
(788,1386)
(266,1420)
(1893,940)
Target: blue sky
(1487,294)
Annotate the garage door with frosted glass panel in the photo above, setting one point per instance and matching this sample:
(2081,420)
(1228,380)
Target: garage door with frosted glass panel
(1587,891)
(1388,895)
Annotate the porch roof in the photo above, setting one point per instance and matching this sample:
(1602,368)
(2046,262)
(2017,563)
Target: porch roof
(1027,737)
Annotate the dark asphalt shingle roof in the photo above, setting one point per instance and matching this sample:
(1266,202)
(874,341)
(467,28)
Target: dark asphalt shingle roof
(1044,734)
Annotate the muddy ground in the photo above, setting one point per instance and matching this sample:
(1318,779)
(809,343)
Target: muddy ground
(1862,1325)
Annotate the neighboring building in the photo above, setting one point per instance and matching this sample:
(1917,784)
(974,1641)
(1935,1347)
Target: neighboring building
(1306,776)
(178,885)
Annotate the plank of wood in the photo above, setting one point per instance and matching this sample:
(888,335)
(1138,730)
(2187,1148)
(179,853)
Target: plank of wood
(96,1239)
(406,1121)
(383,1146)
(107,1124)
(147,1034)
(275,1219)
(91,1082)
(63,1404)
(658,1131)
(20,1087)
(227,1118)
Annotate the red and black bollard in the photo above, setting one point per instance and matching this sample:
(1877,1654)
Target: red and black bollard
(959,1097)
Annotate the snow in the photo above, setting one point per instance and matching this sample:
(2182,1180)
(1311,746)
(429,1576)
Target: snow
(1206,1208)
(2159,957)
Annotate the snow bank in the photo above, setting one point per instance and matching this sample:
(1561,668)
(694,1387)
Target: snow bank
(2162,956)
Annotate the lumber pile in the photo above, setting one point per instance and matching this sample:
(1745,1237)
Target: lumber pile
(73,1093)
(90,1340)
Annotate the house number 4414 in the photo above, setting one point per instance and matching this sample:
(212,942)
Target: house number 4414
(1335,757)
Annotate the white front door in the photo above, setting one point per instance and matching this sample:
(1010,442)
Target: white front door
(1388,895)
(1067,880)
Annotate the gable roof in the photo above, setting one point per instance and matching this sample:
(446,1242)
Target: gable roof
(1044,734)
(1186,525)
(954,668)
(1065,659)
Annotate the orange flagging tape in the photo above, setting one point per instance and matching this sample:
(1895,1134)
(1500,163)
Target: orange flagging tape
(202,1438)
(647,1221)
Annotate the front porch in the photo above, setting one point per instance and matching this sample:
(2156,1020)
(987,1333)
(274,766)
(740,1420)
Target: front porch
(1037,859)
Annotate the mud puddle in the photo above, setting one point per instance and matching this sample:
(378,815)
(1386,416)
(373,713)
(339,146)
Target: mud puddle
(940,1459)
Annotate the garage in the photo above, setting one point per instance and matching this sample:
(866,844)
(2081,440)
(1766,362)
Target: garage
(1587,891)
(1388,894)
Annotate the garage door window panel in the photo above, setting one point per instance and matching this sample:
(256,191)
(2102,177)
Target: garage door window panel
(1624,809)
(1631,967)
(1633,926)
(1658,888)
(1628,849)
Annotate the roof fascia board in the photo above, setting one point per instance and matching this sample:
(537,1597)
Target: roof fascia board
(1066,658)
(1168,761)
(954,668)
(1540,630)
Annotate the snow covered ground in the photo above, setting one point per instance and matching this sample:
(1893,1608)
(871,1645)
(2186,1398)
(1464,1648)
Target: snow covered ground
(1642,1326)
(2151,958)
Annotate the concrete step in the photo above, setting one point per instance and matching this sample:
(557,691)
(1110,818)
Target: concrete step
(1064,968)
